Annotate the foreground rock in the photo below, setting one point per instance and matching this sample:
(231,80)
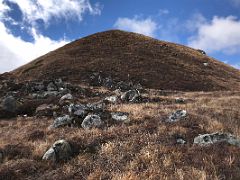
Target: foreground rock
(208,139)
(66,99)
(62,121)
(60,151)
(177,116)
(92,121)
(120,116)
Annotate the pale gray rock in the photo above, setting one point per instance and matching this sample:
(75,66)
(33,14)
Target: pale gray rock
(131,96)
(62,121)
(91,121)
(120,116)
(177,116)
(111,99)
(67,98)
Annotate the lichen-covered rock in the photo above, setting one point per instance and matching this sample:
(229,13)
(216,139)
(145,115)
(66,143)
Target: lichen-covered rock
(92,121)
(179,100)
(177,116)
(67,98)
(131,96)
(60,151)
(207,139)
(52,87)
(62,121)
(120,116)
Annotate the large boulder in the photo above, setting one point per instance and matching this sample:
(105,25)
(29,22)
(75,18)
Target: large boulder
(62,121)
(177,116)
(96,107)
(60,151)
(208,139)
(92,121)
(8,107)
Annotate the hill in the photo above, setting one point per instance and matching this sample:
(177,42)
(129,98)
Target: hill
(124,55)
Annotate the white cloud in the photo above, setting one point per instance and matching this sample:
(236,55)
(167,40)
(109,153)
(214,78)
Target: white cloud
(219,35)
(46,10)
(16,52)
(143,26)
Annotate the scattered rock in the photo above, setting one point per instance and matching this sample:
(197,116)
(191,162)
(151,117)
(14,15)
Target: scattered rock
(208,139)
(176,116)
(62,121)
(180,141)
(91,121)
(60,151)
(120,116)
(98,106)
(66,99)
(179,100)
(111,99)
(46,110)
(205,64)
(52,87)
(201,51)
(131,96)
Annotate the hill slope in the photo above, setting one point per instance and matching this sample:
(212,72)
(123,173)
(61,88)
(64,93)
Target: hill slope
(123,55)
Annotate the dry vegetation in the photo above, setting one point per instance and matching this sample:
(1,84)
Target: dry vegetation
(145,148)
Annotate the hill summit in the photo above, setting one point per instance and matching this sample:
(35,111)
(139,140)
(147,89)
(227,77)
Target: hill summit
(124,55)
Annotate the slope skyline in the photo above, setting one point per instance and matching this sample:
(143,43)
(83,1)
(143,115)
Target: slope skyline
(32,28)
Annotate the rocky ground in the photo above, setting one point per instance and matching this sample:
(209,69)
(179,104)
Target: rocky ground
(110,129)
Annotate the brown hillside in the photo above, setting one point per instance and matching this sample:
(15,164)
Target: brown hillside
(123,55)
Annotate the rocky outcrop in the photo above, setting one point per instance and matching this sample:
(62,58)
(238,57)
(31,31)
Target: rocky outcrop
(177,116)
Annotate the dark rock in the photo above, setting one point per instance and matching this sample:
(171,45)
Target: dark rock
(201,51)
(8,107)
(52,87)
(92,121)
(179,100)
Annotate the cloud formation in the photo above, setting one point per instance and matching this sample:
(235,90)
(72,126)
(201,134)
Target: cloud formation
(221,34)
(14,50)
(139,25)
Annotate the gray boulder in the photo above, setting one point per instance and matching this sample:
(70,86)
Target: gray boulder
(180,141)
(60,151)
(62,121)
(131,96)
(177,116)
(9,104)
(91,121)
(208,139)
(120,116)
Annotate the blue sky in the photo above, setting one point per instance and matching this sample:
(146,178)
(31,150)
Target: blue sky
(30,28)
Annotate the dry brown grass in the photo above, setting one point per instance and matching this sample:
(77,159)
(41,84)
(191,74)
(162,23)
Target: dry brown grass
(145,148)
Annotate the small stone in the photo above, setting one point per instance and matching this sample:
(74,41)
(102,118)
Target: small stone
(179,100)
(62,121)
(120,116)
(111,99)
(180,141)
(205,64)
(131,96)
(91,121)
(52,87)
(176,116)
